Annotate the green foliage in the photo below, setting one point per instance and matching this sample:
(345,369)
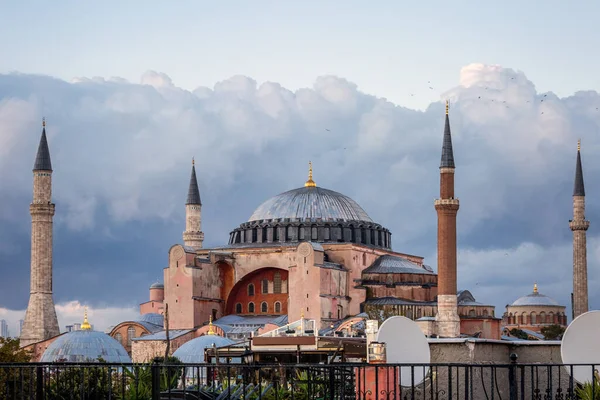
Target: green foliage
(518,333)
(11,353)
(64,382)
(553,332)
(588,391)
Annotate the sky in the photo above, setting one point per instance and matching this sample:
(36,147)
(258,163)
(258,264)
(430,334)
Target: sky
(132,91)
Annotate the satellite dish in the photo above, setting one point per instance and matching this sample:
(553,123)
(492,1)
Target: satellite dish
(580,345)
(405,344)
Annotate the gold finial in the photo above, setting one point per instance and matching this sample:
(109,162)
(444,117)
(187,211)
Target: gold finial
(310,182)
(193,162)
(447,107)
(211,330)
(86,325)
(535,290)
(43,122)
(578,144)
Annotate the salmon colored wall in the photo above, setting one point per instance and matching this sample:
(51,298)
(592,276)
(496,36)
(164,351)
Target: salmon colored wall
(489,328)
(123,329)
(239,293)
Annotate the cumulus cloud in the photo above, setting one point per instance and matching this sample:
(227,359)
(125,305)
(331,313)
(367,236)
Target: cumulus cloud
(121,153)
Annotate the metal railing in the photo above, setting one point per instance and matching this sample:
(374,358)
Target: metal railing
(302,382)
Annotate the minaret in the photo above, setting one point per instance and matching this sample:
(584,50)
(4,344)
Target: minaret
(579,226)
(193,235)
(40,319)
(448,322)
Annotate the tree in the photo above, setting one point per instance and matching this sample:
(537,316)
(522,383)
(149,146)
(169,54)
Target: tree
(11,353)
(518,333)
(553,332)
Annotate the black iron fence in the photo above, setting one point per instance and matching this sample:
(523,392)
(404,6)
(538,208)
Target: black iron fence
(156,381)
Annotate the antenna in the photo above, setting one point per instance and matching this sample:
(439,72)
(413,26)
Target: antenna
(405,344)
(580,345)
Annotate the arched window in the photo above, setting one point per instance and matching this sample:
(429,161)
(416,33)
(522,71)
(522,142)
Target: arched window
(533,319)
(340,310)
(277,307)
(301,232)
(238,308)
(251,308)
(119,338)
(485,312)
(471,313)
(276,233)
(265,286)
(542,319)
(130,334)
(264,307)
(254,235)
(313,234)
(251,289)
(364,258)
(277,282)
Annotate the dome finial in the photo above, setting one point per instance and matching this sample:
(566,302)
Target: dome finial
(193,162)
(43,122)
(535,289)
(447,107)
(211,330)
(578,144)
(310,182)
(86,325)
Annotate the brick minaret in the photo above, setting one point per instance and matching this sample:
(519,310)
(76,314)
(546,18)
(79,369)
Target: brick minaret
(448,322)
(579,226)
(193,235)
(40,319)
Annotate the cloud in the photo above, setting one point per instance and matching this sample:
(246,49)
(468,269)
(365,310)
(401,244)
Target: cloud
(101,318)
(121,153)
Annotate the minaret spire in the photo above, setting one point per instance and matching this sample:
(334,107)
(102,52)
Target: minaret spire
(193,235)
(40,319)
(448,321)
(579,226)
(310,182)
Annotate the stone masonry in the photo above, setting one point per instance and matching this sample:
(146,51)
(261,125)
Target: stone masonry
(40,319)
(447,319)
(579,226)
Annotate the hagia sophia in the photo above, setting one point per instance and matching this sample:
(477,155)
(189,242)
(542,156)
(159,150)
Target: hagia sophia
(308,256)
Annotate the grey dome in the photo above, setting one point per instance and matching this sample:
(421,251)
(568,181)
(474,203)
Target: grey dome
(388,264)
(152,318)
(535,299)
(85,346)
(311,203)
(193,351)
(157,285)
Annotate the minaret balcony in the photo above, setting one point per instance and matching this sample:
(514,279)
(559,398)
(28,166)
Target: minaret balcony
(446,204)
(579,225)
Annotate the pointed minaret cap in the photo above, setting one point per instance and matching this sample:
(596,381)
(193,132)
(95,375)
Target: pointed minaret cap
(310,182)
(42,159)
(447,153)
(193,191)
(578,188)
(85,326)
(535,289)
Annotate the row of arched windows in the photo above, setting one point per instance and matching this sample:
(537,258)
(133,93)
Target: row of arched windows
(130,335)
(264,308)
(265,285)
(533,318)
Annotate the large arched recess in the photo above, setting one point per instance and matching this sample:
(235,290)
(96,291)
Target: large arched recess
(240,294)
(227,278)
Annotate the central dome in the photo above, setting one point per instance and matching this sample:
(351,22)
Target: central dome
(310,203)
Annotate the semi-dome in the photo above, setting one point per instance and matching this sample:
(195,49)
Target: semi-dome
(152,318)
(193,351)
(85,346)
(310,214)
(310,203)
(535,299)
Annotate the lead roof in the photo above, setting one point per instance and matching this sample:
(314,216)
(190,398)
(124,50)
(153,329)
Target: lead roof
(42,159)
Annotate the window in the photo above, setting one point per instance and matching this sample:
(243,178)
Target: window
(264,307)
(364,258)
(214,314)
(130,335)
(251,308)
(277,307)
(314,233)
(265,286)
(254,235)
(251,289)
(277,282)
(276,233)
(119,338)
(238,308)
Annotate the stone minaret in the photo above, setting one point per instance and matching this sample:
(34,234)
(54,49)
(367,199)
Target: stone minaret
(193,235)
(579,226)
(448,322)
(40,319)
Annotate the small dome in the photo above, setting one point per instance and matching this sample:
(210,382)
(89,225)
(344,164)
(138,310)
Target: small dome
(535,299)
(310,202)
(157,285)
(193,351)
(85,346)
(153,318)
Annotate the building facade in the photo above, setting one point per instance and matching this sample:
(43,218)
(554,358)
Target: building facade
(533,312)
